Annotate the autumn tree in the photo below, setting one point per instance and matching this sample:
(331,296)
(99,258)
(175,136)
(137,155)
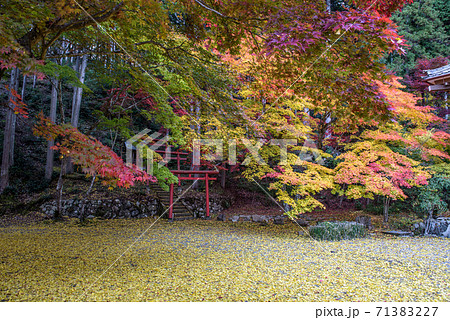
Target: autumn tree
(91,155)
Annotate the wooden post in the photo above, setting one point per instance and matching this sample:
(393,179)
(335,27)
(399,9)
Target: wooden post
(171,202)
(178,168)
(207,196)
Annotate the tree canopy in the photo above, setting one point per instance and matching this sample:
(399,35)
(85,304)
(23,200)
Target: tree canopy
(312,72)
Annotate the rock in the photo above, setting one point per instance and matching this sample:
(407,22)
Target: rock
(235,218)
(447,232)
(90,216)
(221,217)
(246,218)
(416,226)
(258,218)
(437,226)
(279,220)
(365,220)
(398,233)
(301,222)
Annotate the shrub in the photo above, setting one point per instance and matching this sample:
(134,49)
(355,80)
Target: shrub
(337,231)
(434,197)
(402,223)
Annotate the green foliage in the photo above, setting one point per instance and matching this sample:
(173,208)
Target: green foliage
(434,197)
(62,73)
(423,24)
(164,176)
(402,223)
(336,231)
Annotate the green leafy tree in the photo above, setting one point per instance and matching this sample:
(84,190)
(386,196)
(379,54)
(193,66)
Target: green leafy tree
(424,25)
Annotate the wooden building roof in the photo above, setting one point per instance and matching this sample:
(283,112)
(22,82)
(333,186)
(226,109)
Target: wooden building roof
(439,78)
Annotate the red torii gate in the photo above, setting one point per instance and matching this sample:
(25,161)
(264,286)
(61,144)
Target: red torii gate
(206,178)
(178,158)
(206,175)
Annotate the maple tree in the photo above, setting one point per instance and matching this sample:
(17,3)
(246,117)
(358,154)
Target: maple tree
(91,155)
(306,71)
(312,73)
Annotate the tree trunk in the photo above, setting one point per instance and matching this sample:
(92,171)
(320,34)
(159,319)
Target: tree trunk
(76,67)
(446,105)
(78,92)
(59,192)
(386,202)
(51,143)
(223,178)
(83,205)
(8,138)
(24,84)
(195,184)
(34,82)
(14,120)
(76,101)
(329,6)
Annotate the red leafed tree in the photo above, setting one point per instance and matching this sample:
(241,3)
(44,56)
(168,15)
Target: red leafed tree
(383,7)
(95,158)
(16,103)
(415,79)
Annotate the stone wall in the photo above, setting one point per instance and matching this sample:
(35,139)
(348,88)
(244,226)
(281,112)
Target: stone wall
(438,227)
(106,208)
(196,203)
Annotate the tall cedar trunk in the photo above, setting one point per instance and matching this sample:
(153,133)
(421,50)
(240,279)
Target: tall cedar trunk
(199,129)
(24,84)
(76,101)
(76,67)
(223,178)
(59,192)
(78,92)
(446,105)
(51,143)
(386,202)
(8,135)
(83,201)
(14,121)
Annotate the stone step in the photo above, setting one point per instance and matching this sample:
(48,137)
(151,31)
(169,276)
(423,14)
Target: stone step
(182,214)
(179,211)
(183,218)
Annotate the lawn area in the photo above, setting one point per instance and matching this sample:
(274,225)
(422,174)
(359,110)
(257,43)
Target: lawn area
(214,261)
